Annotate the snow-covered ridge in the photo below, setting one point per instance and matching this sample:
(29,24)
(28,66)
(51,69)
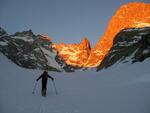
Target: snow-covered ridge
(3,43)
(25,38)
(29,50)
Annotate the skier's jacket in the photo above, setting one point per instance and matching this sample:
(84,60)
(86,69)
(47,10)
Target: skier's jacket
(44,77)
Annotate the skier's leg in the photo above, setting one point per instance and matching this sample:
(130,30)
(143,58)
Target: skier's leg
(44,83)
(44,92)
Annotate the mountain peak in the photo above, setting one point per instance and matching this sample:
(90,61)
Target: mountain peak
(3,32)
(25,33)
(85,44)
(46,37)
(85,40)
(130,15)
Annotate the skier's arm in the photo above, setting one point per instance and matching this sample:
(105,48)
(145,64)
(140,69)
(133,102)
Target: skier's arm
(50,77)
(39,78)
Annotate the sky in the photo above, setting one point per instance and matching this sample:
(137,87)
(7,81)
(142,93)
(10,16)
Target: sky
(66,21)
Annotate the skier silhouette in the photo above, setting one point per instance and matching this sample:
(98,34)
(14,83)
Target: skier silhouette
(44,77)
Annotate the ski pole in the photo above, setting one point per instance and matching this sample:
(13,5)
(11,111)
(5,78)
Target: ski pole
(34,87)
(55,87)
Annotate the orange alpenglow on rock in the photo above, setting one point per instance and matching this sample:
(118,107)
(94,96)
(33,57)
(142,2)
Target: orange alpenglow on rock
(131,15)
(74,54)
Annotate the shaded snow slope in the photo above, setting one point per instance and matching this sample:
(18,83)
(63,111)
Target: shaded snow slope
(122,88)
(50,57)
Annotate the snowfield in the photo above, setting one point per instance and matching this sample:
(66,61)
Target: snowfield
(123,88)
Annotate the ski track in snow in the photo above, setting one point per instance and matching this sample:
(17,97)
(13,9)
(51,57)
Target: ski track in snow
(123,88)
(42,107)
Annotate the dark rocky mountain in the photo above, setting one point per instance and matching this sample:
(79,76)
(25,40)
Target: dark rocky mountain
(28,50)
(129,45)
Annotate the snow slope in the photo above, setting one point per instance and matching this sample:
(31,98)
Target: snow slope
(50,57)
(123,88)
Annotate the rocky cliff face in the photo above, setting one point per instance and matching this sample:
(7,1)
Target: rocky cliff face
(131,15)
(130,45)
(74,54)
(28,50)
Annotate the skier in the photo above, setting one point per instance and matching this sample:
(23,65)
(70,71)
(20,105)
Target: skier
(44,77)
